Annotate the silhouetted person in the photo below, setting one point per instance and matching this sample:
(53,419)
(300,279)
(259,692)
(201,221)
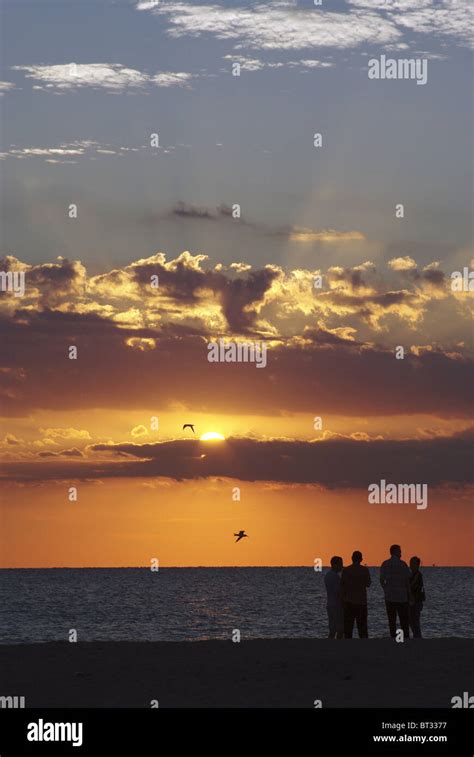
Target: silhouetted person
(354,582)
(332,581)
(394,579)
(417,597)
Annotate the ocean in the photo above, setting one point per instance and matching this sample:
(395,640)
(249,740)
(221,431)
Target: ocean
(190,604)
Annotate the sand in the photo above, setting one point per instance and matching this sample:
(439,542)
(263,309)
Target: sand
(261,673)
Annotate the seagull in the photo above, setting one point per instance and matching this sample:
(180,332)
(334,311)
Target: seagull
(189,425)
(240,536)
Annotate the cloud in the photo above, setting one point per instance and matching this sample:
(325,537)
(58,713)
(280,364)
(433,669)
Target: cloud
(341,462)
(185,281)
(168,79)
(185,210)
(55,434)
(73,452)
(293,233)
(329,366)
(275,26)
(270,301)
(302,234)
(448,18)
(341,336)
(282,26)
(146,5)
(139,431)
(430,277)
(402,264)
(68,152)
(111,77)
(12,440)
(355,278)
(6,86)
(310,63)
(256,64)
(141,343)
(48,282)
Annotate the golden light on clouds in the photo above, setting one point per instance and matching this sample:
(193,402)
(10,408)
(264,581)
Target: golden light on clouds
(212,436)
(303,234)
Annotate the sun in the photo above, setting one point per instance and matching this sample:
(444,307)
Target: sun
(211,436)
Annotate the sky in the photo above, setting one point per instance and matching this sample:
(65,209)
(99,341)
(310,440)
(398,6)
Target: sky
(129,114)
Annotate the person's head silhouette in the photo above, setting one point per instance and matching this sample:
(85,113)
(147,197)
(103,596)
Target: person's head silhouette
(396,550)
(336,563)
(415,563)
(357,557)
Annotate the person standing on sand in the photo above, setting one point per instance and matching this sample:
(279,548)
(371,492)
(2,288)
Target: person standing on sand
(417,592)
(395,581)
(332,581)
(355,580)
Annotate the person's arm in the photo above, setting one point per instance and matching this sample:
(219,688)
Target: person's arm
(368,579)
(422,588)
(417,586)
(382,576)
(342,586)
(411,598)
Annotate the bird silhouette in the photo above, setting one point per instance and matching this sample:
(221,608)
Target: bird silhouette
(240,536)
(189,425)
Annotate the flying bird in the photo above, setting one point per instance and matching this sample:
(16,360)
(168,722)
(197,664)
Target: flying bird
(240,536)
(189,425)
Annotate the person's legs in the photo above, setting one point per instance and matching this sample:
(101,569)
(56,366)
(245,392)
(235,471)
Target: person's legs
(420,610)
(331,622)
(348,619)
(414,619)
(403,615)
(361,619)
(339,622)
(392,618)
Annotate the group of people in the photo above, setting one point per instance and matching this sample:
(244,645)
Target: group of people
(347,595)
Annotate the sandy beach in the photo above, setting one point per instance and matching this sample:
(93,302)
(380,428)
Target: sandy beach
(260,673)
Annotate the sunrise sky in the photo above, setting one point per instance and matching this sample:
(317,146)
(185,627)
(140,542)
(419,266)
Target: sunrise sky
(85,86)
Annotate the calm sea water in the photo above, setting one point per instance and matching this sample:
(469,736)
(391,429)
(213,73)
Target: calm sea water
(183,604)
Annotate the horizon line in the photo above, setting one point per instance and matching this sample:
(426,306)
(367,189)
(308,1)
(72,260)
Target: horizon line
(198,567)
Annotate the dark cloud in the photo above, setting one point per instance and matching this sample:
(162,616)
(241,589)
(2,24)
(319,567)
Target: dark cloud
(55,281)
(73,452)
(355,277)
(334,463)
(325,336)
(382,300)
(187,284)
(186,210)
(433,276)
(321,378)
(238,295)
